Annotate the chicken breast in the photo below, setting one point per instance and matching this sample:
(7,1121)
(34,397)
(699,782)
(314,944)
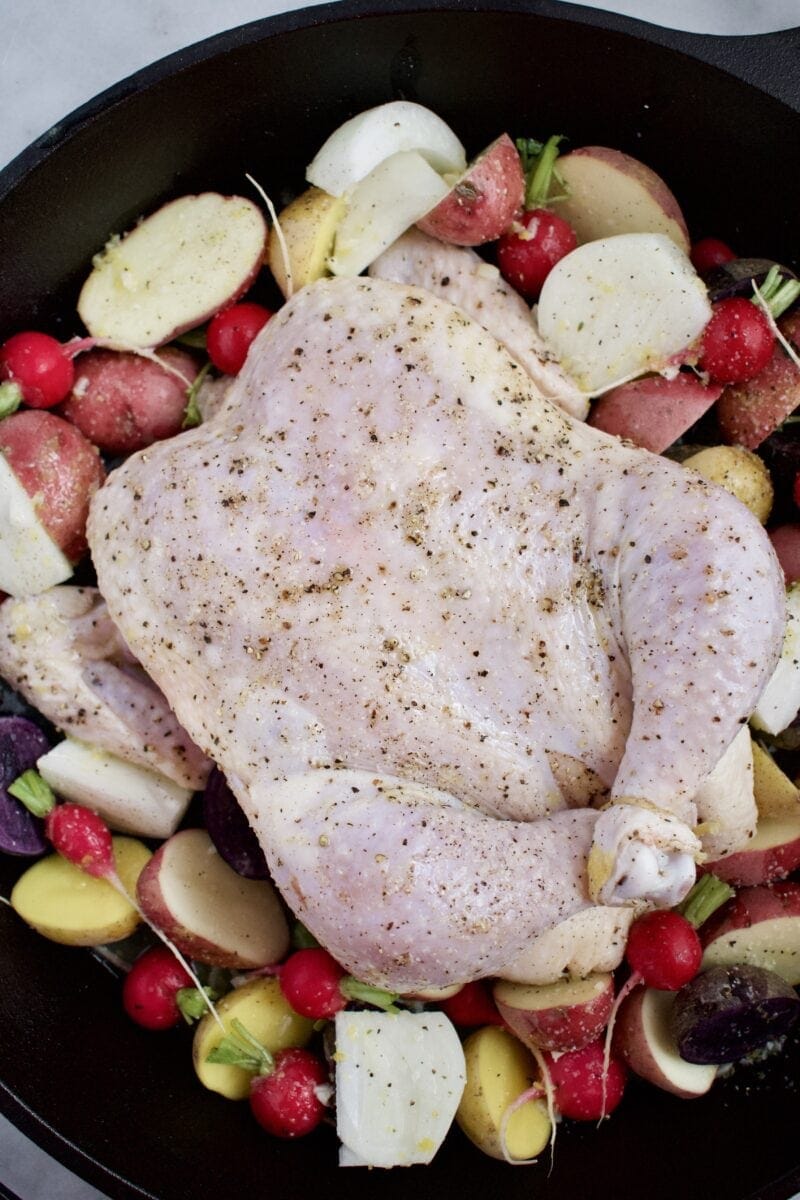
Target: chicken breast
(387,554)
(463,278)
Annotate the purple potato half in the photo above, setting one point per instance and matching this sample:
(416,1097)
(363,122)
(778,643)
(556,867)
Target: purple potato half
(728,1011)
(230,830)
(21,744)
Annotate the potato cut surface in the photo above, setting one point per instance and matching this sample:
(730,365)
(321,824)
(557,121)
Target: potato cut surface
(180,265)
(263,1010)
(66,905)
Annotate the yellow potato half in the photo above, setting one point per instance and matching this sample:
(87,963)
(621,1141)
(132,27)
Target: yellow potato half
(309,227)
(774,792)
(499,1069)
(740,472)
(66,905)
(264,1011)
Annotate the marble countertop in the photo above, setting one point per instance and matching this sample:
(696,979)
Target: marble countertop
(56,54)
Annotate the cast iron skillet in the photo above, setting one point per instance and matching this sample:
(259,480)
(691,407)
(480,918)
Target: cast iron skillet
(117,1105)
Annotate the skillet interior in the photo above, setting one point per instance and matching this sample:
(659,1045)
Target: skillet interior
(117,1105)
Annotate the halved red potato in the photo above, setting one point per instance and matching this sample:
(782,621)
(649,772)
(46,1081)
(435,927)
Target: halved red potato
(611,192)
(643,1040)
(773,853)
(655,411)
(786,544)
(564,1015)
(483,202)
(59,469)
(180,265)
(211,913)
(761,927)
(749,412)
(123,402)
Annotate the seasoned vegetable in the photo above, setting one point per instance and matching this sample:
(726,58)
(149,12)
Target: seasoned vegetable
(483,202)
(60,470)
(728,1011)
(123,402)
(740,472)
(209,911)
(66,905)
(230,830)
(21,743)
(263,1010)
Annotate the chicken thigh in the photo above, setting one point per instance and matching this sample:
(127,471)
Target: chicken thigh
(416,612)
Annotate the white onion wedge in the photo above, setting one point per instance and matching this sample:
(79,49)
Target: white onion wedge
(30,561)
(399,1080)
(620,306)
(178,267)
(780,700)
(358,146)
(389,201)
(130,798)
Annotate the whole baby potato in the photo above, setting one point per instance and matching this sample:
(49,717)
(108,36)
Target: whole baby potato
(740,472)
(123,402)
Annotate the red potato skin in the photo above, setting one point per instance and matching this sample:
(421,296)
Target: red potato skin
(630,1044)
(786,544)
(155,908)
(123,402)
(644,175)
(750,867)
(653,412)
(562,1028)
(749,412)
(485,200)
(751,906)
(60,470)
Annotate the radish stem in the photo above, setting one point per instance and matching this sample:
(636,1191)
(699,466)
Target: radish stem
(287,266)
(707,895)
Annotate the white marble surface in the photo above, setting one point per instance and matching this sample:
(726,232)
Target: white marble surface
(55,55)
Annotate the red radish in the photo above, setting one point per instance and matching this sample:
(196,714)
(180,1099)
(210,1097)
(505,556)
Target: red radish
(287,1102)
(83,838)
(151,987)
(39,365)
(737,342)
(531,248)
(708,253)
(664,950)
(310,982)
(585,1089)
(316,985)
(473,1005)
(287,1091)
(230,334)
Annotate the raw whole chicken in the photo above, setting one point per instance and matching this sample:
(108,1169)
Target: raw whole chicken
(422,619)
